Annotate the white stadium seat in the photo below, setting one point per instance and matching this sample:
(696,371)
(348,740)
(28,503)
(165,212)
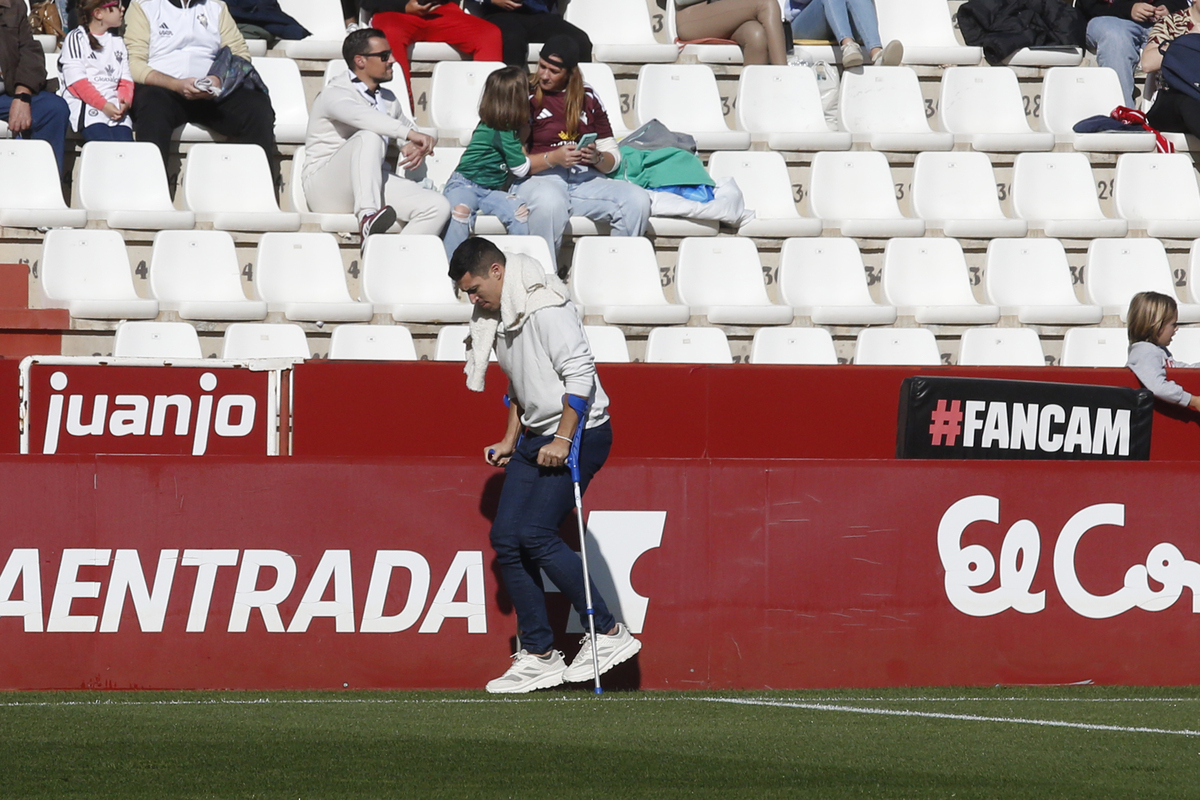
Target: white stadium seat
(1056,193)
(620,31)
(230,186)
(925,28)
(823,279)
(282,77)
(983,107)
(1071,94)
(1157,192)
(301,275)
(854,192)
(245,340)
(1095,347)
(1185,347)
(125,184)
(600,77)
(792,346)
(617,278)
(1193,274)
(1001,347)
(372,343)
(883,107)
(782,106)
(324,21)
(897,347)
(30,189)
(956,192)
(156,340)
(688,346)
(1031,279)
(767,190)
(928,279)
(1117,269)
(406,276)
(333,223)
(451,344)
(454,92)
(87,272)
(685,98)
(708,53)
(607,344)
(197,275)
(722,279)
(533,246)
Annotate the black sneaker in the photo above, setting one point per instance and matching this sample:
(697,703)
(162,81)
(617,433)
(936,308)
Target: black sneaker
(379,222)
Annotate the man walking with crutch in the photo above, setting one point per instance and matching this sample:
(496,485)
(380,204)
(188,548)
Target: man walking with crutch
(525,314)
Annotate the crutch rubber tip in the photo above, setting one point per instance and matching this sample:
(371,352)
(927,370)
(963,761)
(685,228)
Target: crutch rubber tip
(598,690)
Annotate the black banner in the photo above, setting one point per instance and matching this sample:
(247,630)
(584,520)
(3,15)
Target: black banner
(979,418)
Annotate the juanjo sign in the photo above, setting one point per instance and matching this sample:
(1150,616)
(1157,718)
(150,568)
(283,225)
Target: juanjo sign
(974,565)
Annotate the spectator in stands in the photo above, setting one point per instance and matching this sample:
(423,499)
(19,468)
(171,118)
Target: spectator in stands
(30,111)
(492,159)
(756,25)
(1172,110)
(526,316)
(840,20)
(524,21)
(353,120)
(1153,320)
(566,179)
(173,45)
(97,84)
(408,21)
(1117,31)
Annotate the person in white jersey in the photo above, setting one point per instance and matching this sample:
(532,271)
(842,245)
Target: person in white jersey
(94,65)
(172,45)
(524,313)
(352,123)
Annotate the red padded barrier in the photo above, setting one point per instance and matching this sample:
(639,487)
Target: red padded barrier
(781,574)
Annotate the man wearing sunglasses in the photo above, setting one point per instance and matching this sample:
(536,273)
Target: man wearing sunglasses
(353,121)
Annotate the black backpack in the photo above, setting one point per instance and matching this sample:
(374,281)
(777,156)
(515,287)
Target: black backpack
(1181,65)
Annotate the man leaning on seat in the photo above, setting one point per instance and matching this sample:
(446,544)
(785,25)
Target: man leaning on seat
(30,111)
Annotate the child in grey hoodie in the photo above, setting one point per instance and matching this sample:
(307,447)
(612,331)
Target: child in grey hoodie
(1153,320)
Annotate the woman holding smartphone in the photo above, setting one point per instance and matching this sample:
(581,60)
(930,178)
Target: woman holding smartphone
(571,150)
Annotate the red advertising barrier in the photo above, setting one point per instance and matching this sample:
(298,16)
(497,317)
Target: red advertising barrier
(123,572)
(193,408)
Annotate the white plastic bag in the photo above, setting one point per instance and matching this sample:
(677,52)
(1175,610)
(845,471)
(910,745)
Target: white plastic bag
(828,82)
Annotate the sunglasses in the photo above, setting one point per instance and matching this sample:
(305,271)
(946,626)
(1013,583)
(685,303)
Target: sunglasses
(382,55)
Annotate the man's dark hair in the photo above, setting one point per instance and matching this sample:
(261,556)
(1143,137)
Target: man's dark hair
(359,43)
(476,255)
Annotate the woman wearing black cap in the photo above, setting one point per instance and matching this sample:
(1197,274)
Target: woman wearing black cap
(566,179)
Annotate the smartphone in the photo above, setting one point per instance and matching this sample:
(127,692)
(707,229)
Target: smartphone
(586,139)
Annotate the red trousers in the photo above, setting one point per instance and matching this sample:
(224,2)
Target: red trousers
(448,23)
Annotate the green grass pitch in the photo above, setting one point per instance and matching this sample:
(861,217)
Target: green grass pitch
(1004,742)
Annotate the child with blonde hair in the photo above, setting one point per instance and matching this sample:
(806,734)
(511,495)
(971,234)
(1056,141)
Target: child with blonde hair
(493,158)
(1153,320)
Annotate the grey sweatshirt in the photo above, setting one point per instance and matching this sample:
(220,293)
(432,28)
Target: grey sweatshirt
(1149,363)
(548,357)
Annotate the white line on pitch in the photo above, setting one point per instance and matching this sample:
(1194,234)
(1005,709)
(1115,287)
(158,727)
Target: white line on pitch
(888,712)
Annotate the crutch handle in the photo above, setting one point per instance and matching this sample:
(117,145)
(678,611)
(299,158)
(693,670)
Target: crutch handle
(580,406)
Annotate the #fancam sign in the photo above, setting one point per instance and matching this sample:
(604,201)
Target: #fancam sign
(192,408)
(970,566)
(970,418)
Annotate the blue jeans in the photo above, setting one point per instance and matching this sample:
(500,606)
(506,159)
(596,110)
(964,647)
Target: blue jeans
(102,132)
(554,195)
(1118,45)
(462,191)
(533,503)
(838,20)
(50,113)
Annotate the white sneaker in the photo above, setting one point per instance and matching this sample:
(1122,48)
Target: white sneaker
(852,55)
(610,651)
(529,672)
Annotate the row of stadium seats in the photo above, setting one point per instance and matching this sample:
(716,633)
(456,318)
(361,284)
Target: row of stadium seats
(229,186)
(1018,347)
(301,275)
